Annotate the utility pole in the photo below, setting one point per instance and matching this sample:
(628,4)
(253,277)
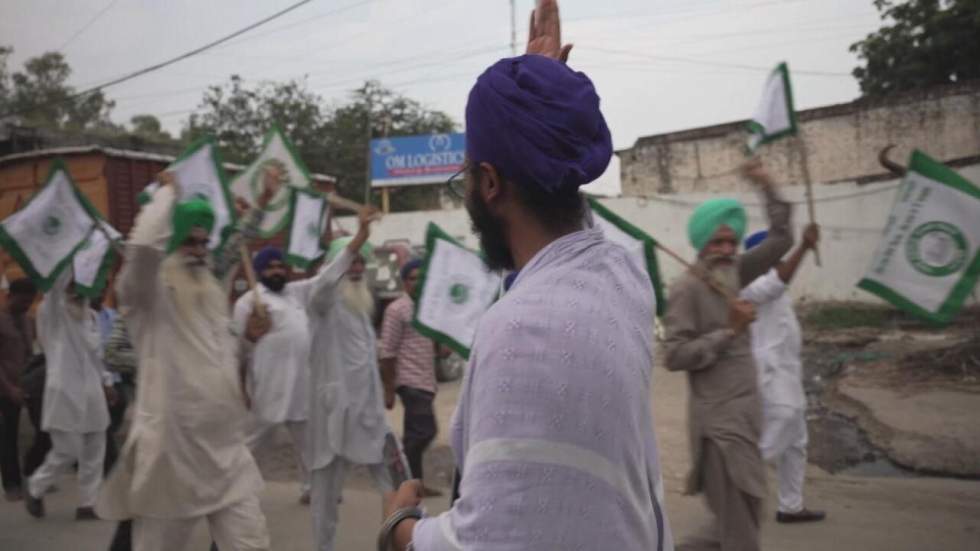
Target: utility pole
(513,28)
(367,171)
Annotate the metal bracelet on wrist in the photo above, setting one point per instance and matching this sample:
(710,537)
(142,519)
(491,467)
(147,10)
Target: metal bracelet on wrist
(388,528)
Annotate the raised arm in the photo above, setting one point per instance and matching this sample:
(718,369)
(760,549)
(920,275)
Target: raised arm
(322,284)
(144,251)
(227,257)
(787,269)
(759,260)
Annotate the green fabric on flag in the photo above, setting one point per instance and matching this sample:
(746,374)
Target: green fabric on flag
(93,260)
(308,216)
(276,150)
(199,174)
(455,288)
(44,234)
(640,244)
(928,261)
(775,115)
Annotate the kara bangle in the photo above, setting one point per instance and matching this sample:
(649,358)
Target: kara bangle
(388,528)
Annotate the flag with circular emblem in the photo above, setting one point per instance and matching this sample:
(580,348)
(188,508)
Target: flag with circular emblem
(928,260)
(309,215)
(44,234)
(278,151)
(93,259)
(454,290)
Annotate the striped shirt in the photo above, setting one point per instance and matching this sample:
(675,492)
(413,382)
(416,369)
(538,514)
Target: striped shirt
(415,364)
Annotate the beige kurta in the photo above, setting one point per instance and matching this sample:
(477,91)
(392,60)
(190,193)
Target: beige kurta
(724,404)
(185,455)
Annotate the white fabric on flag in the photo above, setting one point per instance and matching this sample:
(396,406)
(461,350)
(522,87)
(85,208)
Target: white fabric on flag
(928,261)
(88,261)
(42,235)
(248,184)
(641,246)
(309,214)
(198,174)
(774,116)
(456,289)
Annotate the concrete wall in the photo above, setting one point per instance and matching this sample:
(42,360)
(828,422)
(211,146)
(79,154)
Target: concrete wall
(838,143)
(851,215)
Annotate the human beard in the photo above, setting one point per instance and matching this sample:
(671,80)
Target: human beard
(725,273)
(490,230)
(196,291)
(357,296)
(275,283)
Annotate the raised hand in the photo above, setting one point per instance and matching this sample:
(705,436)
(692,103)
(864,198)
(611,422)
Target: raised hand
(272,181)
(544,35)
(811,236)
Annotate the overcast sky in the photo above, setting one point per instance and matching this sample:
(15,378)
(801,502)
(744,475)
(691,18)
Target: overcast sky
(659,65)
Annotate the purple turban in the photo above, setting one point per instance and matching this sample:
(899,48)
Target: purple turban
(538,123)
(264,257)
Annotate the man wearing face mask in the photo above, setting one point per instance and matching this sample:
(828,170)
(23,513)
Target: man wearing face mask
(278,360)
(708,336)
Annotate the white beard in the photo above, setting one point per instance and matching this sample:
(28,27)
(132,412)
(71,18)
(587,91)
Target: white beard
(727,275)
(357,296)
(196,291)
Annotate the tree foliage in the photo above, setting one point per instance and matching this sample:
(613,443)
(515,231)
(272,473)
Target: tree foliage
(330,139)
(40,95)
(922,43)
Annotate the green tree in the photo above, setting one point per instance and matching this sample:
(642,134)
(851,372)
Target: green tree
(923,43)
(148,127)
(40,96)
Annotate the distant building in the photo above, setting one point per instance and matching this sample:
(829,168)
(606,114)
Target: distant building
(837,143)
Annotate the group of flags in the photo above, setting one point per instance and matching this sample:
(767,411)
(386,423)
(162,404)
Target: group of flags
(58,228)
(928,261)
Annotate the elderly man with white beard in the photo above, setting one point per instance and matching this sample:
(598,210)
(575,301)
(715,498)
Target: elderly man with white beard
(185,457)
(708,336)
(347,424)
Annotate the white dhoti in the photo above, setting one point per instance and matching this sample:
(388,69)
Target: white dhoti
(261,435)
(328,485)
(88,449)
(783,444)
(238,527)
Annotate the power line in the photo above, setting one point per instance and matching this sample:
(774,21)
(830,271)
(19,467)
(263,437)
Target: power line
(161,65)
(87,25)
(716,63)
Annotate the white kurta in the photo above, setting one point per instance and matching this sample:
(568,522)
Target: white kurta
(346,404)
(280,361)
(776,342)
(185,455)
(74,399)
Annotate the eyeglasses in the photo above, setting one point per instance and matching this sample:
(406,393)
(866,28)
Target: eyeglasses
(192,242)
(457,183)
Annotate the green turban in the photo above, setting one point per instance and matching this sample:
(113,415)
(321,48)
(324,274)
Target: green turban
(341,243)
(713,214)
(193,213)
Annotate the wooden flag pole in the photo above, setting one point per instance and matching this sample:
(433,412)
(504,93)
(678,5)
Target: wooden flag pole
(813,217)
(699,273)
(250,277)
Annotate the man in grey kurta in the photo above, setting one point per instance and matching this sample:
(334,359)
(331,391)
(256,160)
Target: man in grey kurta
(707,337)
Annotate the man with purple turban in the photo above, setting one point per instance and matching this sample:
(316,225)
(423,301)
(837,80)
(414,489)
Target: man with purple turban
(277,360)
(552,435)
(707,336)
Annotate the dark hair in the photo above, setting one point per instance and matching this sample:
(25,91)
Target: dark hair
(559,211)
(22,286)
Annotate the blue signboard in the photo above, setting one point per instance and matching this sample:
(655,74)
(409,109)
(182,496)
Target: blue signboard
(411,160)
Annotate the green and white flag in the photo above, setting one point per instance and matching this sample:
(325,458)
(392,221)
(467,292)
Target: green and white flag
(454,291)
(775,115)
(636,241)
(44,234)
(928,261)
(93,259)
(308,219)
(199,174)
(278,151)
